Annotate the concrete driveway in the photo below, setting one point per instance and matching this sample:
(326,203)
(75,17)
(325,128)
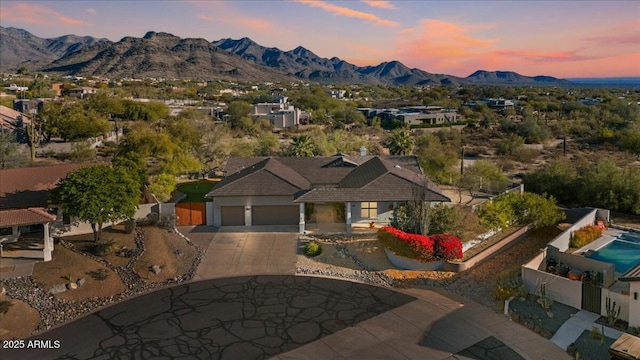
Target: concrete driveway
(233,253)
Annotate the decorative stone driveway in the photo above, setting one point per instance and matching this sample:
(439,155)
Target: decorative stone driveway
(234,318)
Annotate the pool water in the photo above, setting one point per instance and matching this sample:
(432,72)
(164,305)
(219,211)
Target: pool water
(630,237)
(623,254)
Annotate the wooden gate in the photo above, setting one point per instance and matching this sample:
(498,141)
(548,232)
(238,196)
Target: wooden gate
(191,213)
(591,297)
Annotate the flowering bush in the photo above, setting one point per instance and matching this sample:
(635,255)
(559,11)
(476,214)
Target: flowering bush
(420,247)
(585,235)
(447,247)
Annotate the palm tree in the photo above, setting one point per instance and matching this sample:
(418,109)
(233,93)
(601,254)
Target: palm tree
(302,146)
(400,142)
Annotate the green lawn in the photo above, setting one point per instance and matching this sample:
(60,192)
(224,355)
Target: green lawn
(196,190)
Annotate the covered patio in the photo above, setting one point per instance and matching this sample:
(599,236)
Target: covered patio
(25,235)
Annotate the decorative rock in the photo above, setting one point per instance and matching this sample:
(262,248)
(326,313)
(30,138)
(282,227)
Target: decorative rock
(72,286)
(179,252)
(156,269)
(81,282)
(56,289)
(550,314)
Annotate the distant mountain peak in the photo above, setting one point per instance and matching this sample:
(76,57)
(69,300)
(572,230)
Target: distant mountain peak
(153,34)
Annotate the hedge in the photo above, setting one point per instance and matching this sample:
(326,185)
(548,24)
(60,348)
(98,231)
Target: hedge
(585,235)
(420,247)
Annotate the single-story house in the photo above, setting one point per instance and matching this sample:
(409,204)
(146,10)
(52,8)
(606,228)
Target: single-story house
(25,208)
(342,190)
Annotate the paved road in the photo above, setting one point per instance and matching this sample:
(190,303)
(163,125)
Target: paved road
(234,318)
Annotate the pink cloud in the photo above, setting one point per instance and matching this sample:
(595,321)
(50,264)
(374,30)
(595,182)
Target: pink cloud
(205,18)
(379,4)
(91,11)
(622,34)
(35,14)
(251,23)
(347,12)
(445,47)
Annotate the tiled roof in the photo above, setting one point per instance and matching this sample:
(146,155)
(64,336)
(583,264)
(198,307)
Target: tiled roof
(28,216)
(266,177)
(30,186)
(9,118)
(336,178)
(321,170)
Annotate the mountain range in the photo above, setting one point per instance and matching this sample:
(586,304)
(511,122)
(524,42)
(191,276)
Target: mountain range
(163,55)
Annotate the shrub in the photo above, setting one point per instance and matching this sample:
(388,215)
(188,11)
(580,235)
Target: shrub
(508,284)
(388,239)
(129,226)
(4,306)
(447,247)
(103,247)
(312,249)
(585,235)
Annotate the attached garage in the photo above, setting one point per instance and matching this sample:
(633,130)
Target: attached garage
(232,215)
(275,215)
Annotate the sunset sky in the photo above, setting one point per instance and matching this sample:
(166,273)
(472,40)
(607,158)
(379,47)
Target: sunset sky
(558,38)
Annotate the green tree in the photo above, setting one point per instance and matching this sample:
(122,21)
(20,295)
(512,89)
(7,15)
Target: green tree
(400,142)
(98,194)
(10,153)
(483,175)
(301,146)
(162,186)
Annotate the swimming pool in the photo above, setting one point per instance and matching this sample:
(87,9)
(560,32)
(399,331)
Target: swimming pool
(623,253)
(630,237)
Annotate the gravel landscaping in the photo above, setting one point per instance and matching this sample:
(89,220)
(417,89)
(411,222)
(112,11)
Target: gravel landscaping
(543,321)
(55,311)
(592,349)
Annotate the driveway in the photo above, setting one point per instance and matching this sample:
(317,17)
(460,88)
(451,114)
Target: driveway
(253,317)
(233,252)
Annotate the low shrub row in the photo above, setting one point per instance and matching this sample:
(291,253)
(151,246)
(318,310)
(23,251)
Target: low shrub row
(420,247)
(585,235)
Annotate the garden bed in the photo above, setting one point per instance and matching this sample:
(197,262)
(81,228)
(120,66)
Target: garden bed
(65,264)
(122,241)
(19,322)
(543,321)
(591,349)
(166,249)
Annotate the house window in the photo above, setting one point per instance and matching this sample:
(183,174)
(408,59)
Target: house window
(369,210)
(6,231)
(66,219)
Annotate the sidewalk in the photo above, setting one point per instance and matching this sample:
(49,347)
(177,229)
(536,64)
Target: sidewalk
(576,325)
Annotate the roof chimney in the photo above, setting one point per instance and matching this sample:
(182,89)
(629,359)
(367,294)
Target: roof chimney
(363,151)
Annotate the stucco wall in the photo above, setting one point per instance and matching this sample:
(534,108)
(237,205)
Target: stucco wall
(561,242)
(634,303)
(557,288)
(621,300)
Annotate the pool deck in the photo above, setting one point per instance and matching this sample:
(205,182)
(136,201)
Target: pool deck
(607,236)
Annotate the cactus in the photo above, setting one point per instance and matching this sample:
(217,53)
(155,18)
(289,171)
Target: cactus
(613,315)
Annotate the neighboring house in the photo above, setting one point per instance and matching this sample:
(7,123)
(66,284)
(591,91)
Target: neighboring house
(14,87)
(414,115)
(24,203)
(340,190)
(28,106)
(81,92)
(280,113)
(14,121)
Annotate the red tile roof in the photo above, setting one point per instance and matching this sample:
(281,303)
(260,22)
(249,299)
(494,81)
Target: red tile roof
(30,186)
(28,216)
